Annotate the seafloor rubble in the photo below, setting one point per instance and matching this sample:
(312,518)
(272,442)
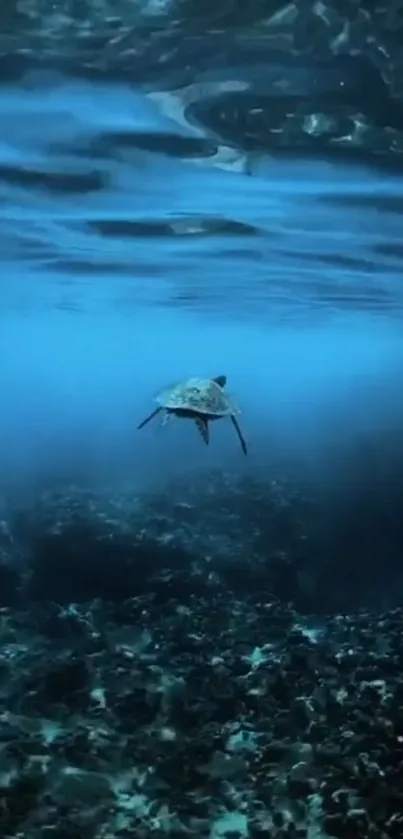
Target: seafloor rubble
(153,684)
(287,536)
(202,715)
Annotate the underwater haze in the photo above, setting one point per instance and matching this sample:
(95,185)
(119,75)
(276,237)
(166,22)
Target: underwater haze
(204,192)
(133,259)
(77,381)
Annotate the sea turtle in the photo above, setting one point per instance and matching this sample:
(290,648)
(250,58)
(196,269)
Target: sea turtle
(200,400)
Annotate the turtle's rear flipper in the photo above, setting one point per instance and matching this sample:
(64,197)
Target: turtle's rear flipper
(202,426)
(240,435)
(147,419)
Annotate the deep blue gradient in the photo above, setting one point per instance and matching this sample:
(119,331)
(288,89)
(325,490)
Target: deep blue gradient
(186,195)
(132,257)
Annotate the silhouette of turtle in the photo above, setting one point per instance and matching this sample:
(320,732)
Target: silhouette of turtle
(201,400)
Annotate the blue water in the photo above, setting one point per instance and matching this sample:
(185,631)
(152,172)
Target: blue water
(194,640)
(140,245)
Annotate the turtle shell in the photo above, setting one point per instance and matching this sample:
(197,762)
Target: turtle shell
(204,396)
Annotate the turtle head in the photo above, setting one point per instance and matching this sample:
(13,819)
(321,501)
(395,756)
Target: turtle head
(220,380)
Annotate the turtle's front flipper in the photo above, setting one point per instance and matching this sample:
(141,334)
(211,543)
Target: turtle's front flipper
(240,435)
(150,417)
(202,426)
